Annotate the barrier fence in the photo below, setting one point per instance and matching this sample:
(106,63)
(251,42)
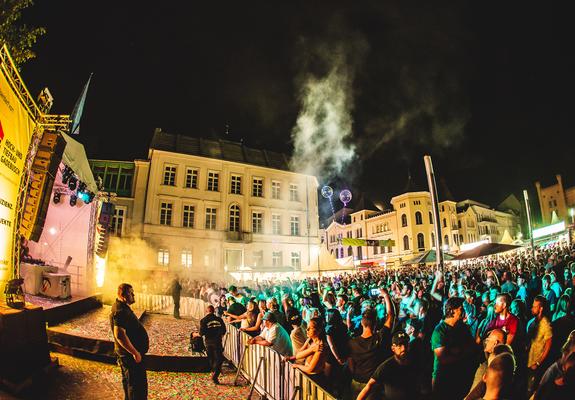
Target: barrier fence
(260,365)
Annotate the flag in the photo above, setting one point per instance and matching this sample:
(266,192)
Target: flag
(79,109)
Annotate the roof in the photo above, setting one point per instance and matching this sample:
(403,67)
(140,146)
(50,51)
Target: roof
(219,149)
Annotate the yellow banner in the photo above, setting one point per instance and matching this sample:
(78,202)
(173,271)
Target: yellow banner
(16,129)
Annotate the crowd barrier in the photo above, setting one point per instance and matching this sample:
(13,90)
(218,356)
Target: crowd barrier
(260,365)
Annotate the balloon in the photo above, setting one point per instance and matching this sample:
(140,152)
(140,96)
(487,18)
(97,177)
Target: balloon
(327,192)
(345,196)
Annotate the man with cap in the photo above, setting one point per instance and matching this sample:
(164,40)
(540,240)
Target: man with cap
(394,378)
(212,328)
(298,334)
(273,335)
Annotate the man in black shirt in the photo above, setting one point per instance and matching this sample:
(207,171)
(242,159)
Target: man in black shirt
(131,343)
(212,328)
(176,290)
(395,378)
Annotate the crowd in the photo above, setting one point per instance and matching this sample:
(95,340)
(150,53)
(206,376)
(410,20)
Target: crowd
(495,328)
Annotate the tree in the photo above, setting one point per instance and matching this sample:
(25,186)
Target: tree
(19,37)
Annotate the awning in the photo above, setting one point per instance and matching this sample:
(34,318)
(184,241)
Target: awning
(75,158)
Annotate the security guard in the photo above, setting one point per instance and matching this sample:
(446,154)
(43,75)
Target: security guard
(212,328)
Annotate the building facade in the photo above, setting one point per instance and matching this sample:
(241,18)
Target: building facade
(556,202)
(410,225)
(210,207)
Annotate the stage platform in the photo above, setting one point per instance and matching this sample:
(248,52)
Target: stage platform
(59,310)
(89,336)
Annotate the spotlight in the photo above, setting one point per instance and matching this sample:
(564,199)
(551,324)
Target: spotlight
(57,197)
(66,175)
(73,200)
(73,183)
(81,186)
(84,196)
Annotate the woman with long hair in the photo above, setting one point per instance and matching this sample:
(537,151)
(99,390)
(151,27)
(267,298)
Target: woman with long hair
(314,351)
(248,319)
(482,328)
(562,308)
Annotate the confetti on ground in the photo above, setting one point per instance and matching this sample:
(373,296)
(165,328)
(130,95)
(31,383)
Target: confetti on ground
(78,379)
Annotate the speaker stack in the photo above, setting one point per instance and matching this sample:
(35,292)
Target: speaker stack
(44,168)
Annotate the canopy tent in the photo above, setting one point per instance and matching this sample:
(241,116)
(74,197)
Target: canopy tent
(506,239)
(327,262)
(427,257)
(75,158)
(486,249)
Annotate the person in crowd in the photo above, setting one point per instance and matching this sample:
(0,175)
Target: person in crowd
(562,328)
(222,306)
(336,337)
(298,334)
(522,289)
(213,329)
(508,285)
(273,335)
(471,313)
(504,320)
(420,353)
(176,290)
(249,319)
(561,388)
(393,379)
(555,284)
(240,298)
(131,343)
(563,307)
(548,293)
(499,377)
(235,309)
(539,334)
(368,350)
(341,305)
(493,339)
(556,369)
(314,351)
(453,349)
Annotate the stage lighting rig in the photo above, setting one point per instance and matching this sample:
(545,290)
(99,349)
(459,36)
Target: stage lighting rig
(57,196)
(73,200)
(73,183)
(67,174)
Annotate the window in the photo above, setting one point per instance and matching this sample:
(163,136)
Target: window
(258,187)
(349,234)
(165,213)
(442,208)
(432,239)
(293,193)
(234,225)
(169,175)
(188,216)
(276,224)
(444,223)
(294,226)
(187,258)
(257,222)
(210,218)
(277,259)
(163,257)
(446,240)
(458,224)
(430,218)
(276,190)
(236,185)
(375,250)
(213,181)
(295,259)
(405,242)
(118,221)
(420,242)
(403,220)
(349,251)
(258,257)
(191,178)
(455,238)
(418,218)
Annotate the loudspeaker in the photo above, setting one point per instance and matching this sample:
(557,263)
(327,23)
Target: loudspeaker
(36,207)
(49,154)
(106,213)
(103,238)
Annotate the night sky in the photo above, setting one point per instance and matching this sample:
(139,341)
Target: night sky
(485,88)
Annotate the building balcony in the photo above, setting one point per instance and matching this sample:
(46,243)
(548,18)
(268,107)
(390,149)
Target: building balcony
(236,236)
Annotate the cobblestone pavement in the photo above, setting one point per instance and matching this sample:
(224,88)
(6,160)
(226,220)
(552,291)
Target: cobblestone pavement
(78,379)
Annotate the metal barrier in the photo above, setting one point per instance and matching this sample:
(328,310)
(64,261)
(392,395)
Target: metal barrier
(260,365)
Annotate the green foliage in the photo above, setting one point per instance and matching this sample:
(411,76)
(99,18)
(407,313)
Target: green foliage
(19,37)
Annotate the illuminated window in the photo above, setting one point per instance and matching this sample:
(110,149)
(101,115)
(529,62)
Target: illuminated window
(236,184)
(210,218)
(163,257)
(258,257)
(170,175)
(257,222)
(276,190)
(420,242)
(192,178)
(117,226)
(165,213)
(418,218)
(403,220)
(234,225)
(294,226)
(405,242)
(258,187)
(187,258)
(188,216)
(293,192)
(276,224)
(213,181)
(295,259)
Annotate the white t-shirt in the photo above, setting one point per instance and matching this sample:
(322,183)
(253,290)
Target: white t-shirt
(279,339)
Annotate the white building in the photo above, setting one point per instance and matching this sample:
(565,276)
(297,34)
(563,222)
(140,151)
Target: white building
(213,206)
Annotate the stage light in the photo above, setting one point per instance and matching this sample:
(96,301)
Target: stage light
(52,231)
(81,187)
(73,200)
(57,197)
(66,174)
(85,197)
(73,183)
